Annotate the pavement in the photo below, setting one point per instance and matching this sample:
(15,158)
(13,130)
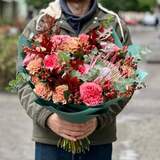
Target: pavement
(138,125)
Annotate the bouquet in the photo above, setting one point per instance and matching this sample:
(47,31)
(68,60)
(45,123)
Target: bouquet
(80,77)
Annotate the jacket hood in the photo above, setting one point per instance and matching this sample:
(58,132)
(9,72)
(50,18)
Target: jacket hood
(54,10)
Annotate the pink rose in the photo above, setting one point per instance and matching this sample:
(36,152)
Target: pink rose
(91,94)
(51,62)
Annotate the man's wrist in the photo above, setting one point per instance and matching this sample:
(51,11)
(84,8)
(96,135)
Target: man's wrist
(48,120)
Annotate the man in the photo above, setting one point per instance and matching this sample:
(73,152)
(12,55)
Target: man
(76,17)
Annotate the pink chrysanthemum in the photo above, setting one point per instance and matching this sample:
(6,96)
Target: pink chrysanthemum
(91,94)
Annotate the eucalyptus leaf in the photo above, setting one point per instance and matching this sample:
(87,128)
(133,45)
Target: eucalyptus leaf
(92,75)
(75,73)
(95,51)
(122,85)
(135,51)
(64,57)
(141,75)
(86,58)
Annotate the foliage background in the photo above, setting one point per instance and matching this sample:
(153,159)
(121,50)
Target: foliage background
(116,5)
(8,53)
(38,3)
(131,5)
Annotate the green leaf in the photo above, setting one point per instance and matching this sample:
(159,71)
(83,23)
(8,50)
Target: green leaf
(107,22)
(87,59)
(14,84)
(141,75)
(92,75)
(76,74)
(122,85)
(95,51)
(66,94)
(116,38)
(64,57)
(135,51)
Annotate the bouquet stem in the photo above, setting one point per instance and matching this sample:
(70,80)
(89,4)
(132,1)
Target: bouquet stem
(77,147)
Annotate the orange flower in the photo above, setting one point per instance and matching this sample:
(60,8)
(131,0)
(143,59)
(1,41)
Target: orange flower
(127,71)
(35,79)
(34,66)
(58,94)
(71,45)
(42,90)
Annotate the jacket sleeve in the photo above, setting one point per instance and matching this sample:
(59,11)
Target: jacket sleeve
(26,96)
(107,118)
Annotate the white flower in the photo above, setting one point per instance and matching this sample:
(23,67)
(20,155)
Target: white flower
(105,71)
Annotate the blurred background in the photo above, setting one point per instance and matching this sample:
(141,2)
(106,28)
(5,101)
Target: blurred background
(138,124)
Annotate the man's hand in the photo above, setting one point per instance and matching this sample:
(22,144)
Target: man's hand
(71,131)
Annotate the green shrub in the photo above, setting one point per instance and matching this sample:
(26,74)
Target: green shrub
(8,51)
(116,5)
(145,5)
(38,4)
(129,5)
